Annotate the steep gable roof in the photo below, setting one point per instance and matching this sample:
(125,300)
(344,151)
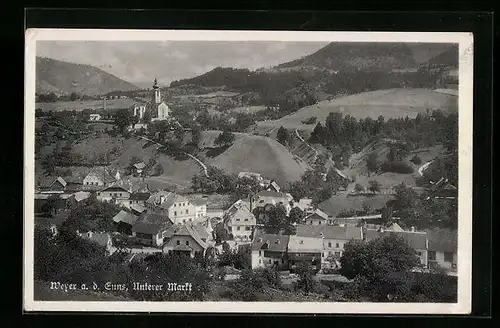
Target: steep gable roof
(194,231)
(317,215)
(240,215)
(271,242)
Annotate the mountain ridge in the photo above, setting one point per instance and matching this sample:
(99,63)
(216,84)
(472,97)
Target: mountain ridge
(61,77)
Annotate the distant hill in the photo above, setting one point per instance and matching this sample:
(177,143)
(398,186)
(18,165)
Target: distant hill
(354,56)
(447,58)
(64,78)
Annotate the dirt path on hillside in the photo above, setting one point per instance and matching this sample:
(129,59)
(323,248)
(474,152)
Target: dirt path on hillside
(307,144)
(203,166)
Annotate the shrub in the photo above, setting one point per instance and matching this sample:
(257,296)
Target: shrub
(397,167)
(271,277)
(416,160)
(310,120)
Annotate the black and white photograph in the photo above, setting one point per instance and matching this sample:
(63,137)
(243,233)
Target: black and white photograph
(203,171)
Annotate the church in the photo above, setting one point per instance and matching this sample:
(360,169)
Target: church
(157,110)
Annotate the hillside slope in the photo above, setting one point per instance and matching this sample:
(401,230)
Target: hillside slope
(63,78)
(389,103)
(254,154)
(447,58)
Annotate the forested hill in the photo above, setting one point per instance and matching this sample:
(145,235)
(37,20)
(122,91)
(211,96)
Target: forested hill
(62,77)
(352,56)
(447,58)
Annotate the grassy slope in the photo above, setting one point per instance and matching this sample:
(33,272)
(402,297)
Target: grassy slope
(255,154)
(176,172)
(389,103)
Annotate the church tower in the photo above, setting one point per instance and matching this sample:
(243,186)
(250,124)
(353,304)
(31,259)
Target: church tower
(156,95)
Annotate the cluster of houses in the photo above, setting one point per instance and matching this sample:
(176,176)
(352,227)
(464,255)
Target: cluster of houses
(323,246)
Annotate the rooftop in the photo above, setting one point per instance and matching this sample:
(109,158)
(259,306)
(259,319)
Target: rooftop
(277,243)
(126,217)
(150,223)
(443,240)
(416,239)
(305,244)
(330,232)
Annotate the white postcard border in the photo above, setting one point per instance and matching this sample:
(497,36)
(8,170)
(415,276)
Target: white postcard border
(464,254)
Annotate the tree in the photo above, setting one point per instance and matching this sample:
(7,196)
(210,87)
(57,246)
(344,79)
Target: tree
(158,169)
(73,96)
(358,188)
(372,163)
(305,282)
(123,119)
(318,134)
(296,215)
(283,136)
(416,160)
(276,219)
(383,264)
(225,138)
(50,206)
(196,135)
(374,186)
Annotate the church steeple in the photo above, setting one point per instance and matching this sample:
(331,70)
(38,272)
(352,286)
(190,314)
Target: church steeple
(156,93)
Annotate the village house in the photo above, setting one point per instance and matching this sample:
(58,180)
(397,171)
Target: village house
(94,117)
(269,250)
(150,229)
(273,186)
(240,222)
(305,205)
(51,185)
(442,250)
(97,178)
(77,198)
(101,238)
(334,238)
(188,239)
(318,217)
(177,208)
(271,198)
(121,192)
(139,167)
(443,189)
(125,221)
(416,239)
(305,249)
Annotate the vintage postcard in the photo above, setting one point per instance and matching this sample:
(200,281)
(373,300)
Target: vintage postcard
(248,171)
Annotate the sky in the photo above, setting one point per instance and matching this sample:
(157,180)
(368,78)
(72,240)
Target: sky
(139,62)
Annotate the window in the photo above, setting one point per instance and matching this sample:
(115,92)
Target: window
(187,211)
(175,205)
(247,228)
(187,242)
(337,254)
(178,242)
(329,253)
(184,221)
(98,194)
(337,245)
(175,213)
(238,220)
(238,228)
(319,222)
(322,254)
(269,261)
(432,256)
(448,257)
(260,253)
(246,220)
(120,194)
(329,244)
